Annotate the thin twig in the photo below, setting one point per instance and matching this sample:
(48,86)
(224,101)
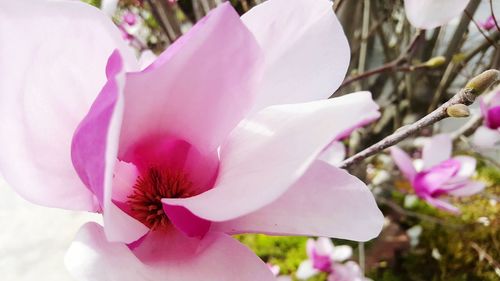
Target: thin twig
(483,254)
(480,29)
(465,96)
(393,65)
(453,69)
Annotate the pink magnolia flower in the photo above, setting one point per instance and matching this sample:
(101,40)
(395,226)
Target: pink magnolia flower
(488,24)
(488,135)
(428,14)
(219,135)
(129,26)
(323,256)
(441,174)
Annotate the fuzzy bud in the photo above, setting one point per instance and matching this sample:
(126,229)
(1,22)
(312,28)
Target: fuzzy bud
(435,62)
(458,110)
(483,81)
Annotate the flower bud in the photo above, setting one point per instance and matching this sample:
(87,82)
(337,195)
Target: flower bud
(483,81)
(458,110)
(435,62)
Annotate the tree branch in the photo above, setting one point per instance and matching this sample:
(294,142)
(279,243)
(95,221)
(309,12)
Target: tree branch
(466,96)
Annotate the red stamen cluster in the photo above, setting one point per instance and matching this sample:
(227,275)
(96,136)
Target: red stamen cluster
(150,188)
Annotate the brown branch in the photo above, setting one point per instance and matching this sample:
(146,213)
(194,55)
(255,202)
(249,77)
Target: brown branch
(393,65)
(466,96)
(480,29)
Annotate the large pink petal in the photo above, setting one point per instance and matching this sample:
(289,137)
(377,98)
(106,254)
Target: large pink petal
(198,89)
(266,154)
(427,14)
(404,162)
(53,56)
(326,201)
(306,51)
(436,150)
(94,150)
(217,257)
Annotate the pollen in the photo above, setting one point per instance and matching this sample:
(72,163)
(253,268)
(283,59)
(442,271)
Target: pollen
(155,184)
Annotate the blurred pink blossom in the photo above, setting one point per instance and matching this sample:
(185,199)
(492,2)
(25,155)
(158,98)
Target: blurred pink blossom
(349,271)
(322,257)
(488,24)
(219,135)
(129,19)
(441,174)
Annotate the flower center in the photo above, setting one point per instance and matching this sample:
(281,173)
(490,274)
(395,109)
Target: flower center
(150,187)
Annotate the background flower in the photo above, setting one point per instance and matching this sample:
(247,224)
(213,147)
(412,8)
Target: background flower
(441,175)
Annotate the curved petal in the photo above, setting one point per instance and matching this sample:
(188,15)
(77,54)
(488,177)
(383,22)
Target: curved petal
(198,89)
(94,149)
(217,257)
(324,246)
(326,201)
(432,180)
(467,166)
(266,154)
(485,137)
(443,205)
(334,154)
(427,14)
(404,162)
(467,189)
(342,253)
(436,150)
(124,177)
(306,270)
(310,247)
(53,56)
(187,222)
(306,50)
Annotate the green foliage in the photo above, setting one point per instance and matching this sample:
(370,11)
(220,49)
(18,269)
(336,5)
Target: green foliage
(287,252)
(461,241)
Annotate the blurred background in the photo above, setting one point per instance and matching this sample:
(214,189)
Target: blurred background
(409,72)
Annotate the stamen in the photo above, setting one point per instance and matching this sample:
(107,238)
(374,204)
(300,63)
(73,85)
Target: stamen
(150,188)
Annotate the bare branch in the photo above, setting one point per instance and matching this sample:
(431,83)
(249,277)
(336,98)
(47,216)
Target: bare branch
(466,96)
